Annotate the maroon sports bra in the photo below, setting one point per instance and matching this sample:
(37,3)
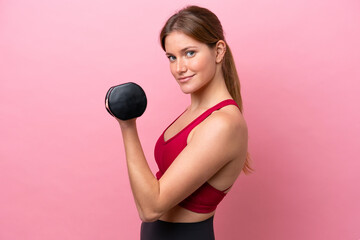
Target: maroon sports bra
(206,198)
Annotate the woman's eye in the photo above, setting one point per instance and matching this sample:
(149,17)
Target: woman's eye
(171,58)
(190,53)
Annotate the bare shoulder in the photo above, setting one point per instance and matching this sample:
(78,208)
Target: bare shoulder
(227,120)
(227,126)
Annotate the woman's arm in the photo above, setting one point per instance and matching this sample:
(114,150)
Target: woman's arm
(144,185)
(214,143)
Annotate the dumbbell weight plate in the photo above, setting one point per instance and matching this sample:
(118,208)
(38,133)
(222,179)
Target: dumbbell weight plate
(126,101)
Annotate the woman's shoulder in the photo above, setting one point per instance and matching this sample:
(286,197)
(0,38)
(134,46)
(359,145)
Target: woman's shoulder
(228,118)
(227,123)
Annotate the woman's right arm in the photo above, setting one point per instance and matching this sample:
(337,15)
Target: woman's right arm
(144,185)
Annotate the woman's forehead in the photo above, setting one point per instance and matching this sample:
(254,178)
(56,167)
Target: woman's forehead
(176,41)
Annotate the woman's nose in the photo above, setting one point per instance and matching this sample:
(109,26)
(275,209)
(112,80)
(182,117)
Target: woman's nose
(181,66)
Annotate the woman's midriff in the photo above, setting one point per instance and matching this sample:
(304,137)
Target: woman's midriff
(180,214)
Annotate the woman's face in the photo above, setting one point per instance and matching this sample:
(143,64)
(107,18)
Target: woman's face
(192,63)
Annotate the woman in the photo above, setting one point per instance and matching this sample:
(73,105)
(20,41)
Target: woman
(200,154)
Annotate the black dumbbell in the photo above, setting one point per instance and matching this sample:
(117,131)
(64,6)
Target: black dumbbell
(126,101)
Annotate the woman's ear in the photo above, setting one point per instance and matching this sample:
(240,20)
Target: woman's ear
(220,50)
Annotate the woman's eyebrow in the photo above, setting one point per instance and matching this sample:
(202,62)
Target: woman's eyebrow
(182,50)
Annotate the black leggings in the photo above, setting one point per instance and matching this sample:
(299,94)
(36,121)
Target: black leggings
(161,230)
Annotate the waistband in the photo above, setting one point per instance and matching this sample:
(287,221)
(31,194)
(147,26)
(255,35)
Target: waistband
(162,230)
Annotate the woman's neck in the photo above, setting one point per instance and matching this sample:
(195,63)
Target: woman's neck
(211,94)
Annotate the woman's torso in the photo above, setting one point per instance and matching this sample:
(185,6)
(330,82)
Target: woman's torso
(222,180)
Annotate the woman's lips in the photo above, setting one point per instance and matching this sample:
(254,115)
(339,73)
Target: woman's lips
(185,79)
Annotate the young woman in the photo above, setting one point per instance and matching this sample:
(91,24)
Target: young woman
(201,153)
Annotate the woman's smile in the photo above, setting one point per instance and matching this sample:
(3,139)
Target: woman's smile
(185,79)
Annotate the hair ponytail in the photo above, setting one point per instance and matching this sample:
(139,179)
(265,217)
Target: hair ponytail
(233,85)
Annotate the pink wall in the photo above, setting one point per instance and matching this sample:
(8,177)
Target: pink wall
(62,167)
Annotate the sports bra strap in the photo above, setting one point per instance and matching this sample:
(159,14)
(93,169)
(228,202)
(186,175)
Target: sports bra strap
(218,106)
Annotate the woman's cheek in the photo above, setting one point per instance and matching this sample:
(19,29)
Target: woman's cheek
(196,65)
(173,69)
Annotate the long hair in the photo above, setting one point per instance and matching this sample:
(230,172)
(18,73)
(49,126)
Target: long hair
(204,26)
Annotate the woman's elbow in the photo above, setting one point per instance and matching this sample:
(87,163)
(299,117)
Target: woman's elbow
(149,216)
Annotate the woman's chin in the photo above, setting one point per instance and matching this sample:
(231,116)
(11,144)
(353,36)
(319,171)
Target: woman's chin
(187,91)
(191,89)
(188,88)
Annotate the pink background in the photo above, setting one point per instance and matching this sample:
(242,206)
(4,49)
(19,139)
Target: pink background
(62,166)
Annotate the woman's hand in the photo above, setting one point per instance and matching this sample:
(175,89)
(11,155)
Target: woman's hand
(122,123)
